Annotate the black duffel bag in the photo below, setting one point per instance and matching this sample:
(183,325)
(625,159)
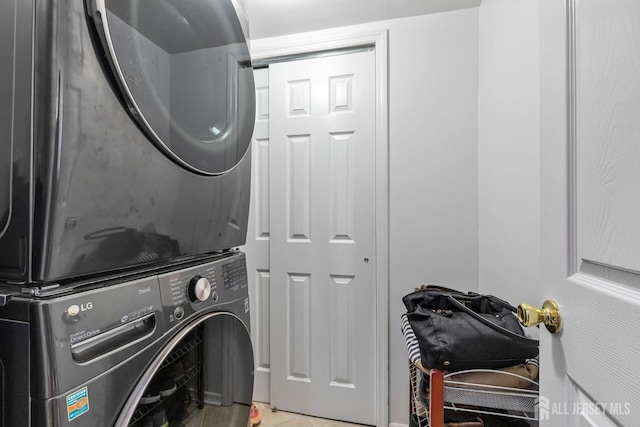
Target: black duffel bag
(457,330)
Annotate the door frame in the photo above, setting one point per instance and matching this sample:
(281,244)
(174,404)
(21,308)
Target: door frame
(556,157)
(264,50)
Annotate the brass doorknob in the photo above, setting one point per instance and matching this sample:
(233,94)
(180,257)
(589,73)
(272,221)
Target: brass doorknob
(529,315)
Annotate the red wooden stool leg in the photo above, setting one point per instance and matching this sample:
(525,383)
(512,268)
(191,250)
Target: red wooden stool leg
(436,398)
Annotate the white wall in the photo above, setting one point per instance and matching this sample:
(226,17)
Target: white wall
(433,88)
(270,18)
(433,190)
(508,150)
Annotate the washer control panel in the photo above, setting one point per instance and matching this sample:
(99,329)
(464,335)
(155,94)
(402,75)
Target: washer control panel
(216,282)
(118,320)
(234,273)
(191,285)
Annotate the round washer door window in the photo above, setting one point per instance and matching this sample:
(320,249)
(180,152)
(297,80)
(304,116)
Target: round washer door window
(210,358)
(184,71)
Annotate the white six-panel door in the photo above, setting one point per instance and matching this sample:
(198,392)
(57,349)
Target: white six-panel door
(313,205)
(323,290)
(258,238)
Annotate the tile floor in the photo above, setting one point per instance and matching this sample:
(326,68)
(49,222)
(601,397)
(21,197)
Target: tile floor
(219,416)
(288,419)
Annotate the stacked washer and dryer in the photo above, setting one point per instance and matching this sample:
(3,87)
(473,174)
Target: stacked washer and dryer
(124,187)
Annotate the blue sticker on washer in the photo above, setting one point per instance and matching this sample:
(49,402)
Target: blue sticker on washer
(77,403)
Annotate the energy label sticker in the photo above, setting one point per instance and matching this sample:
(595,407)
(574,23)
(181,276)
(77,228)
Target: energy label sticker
(77,403)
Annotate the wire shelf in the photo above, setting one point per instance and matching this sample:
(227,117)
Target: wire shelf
(181,352)
(470,397)
(144,410)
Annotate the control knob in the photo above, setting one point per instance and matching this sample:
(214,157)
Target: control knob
(199,289)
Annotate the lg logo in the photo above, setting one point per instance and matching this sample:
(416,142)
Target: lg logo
(74,310)
(72,315)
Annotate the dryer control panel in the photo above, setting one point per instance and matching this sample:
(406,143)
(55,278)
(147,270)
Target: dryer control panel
(217,282)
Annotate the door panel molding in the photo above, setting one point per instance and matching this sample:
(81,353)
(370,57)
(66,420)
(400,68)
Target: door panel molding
(572,183)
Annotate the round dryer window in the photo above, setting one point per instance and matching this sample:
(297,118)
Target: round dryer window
(184,71)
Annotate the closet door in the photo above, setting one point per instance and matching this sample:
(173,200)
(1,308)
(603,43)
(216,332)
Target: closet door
(322,237)
(258,239)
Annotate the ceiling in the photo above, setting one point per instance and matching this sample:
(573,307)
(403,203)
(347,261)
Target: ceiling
(269,18)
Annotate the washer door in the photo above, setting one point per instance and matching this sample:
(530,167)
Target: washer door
(184,72)
(203,376)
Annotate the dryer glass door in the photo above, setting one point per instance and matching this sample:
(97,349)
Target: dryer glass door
(203,376)
(183,69)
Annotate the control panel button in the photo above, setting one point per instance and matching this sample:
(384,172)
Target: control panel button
(72,315)
(199,289)
(178,313)
(215,296)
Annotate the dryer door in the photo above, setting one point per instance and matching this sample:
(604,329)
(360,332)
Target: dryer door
(203,376)
(183,70)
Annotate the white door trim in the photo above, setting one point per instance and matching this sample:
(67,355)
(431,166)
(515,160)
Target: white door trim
(295,45)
